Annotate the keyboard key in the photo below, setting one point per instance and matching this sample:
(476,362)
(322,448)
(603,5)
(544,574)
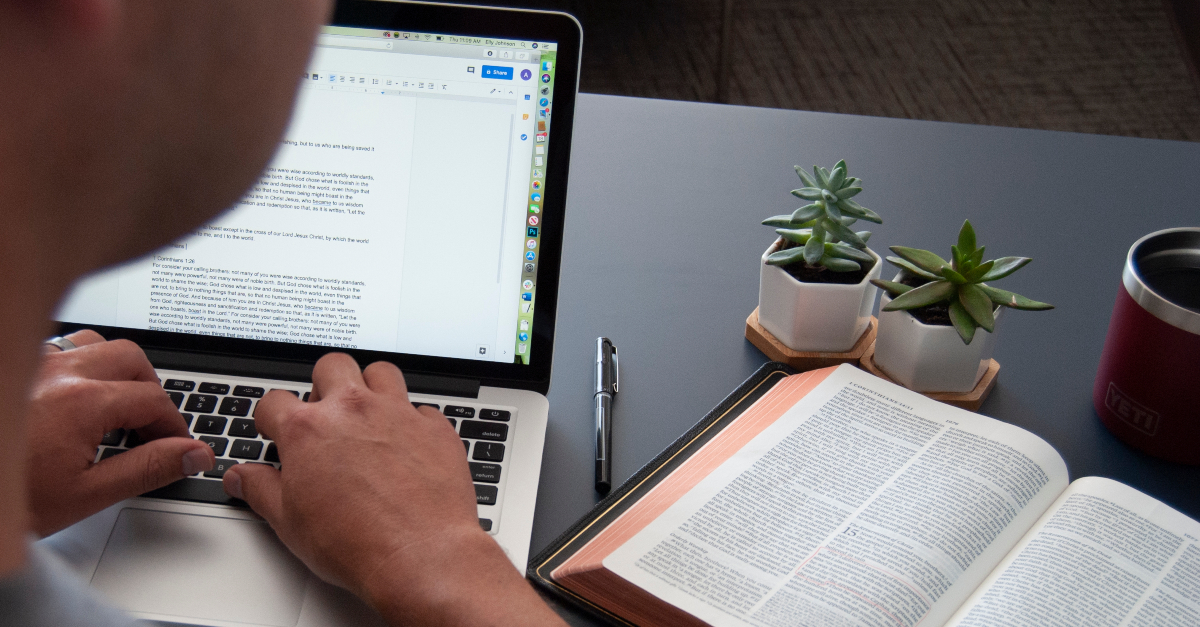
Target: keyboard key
(249,392)
(246,449)
(243,428)
(212,425)
(200,403)
(453,422)
(176,398)
(214,388)
(234,406)
(187,419)
(292,392)
(221,465)
(459,412)
(113,438)
(111,452)
(494,414)
(485,524)
(488,452)
(134,440)
(218,445)
(433,405)
(179,385)
(467,445)
(272,454)
(306,395)
(477,430)
(485,473)
(484,494)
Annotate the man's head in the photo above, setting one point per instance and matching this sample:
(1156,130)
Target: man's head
(127,123)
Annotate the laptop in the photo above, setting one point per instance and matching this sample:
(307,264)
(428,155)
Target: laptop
(413,214)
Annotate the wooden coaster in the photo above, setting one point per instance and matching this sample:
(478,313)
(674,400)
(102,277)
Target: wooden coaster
(777,351)
(970,401)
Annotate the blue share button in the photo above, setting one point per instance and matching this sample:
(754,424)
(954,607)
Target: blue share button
(496,71)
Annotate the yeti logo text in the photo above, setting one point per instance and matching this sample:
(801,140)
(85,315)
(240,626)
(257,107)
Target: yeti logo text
(1137,415)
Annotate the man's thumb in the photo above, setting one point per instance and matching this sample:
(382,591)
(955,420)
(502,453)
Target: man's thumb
(260,487)
(151,466)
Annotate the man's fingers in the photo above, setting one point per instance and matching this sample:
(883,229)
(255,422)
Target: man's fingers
(147,467)
(259,486)
(85,337)
(118,360)
(269,410)
(385,378)
(141,406)
(333,371)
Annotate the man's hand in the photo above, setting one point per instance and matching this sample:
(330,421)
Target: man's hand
(375,495)
(80,395)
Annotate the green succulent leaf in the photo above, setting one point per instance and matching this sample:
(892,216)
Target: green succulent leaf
(912,269)
(950,275)
(814,249)
(859,211)
(808,193)
(797,236)
(863,235)
(979,305)
(785,257)
(848,192)
(833,211)
(956,259)
(1004,267)
(923,259)
(837,178)
(842,164)
(779,221)
(853,182)
(848,252)
(928,294)
(822,176)
(962,321)
(808,180)
(891,287)
(839,265)
(807,213)
(843,232)
(975,275)
(966,238)
(1005,298)
(977,257)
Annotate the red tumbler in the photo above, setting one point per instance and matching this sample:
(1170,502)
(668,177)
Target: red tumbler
(1147,390)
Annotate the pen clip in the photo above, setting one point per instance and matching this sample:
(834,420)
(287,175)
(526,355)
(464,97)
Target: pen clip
(616,370)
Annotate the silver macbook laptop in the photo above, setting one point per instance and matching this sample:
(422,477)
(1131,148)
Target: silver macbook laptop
(413,214)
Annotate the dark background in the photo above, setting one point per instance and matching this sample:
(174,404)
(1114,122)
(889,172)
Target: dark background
(1118,67)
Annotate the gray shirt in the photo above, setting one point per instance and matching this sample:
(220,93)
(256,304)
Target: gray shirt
(48,594)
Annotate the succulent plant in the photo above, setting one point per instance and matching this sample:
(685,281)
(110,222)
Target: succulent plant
(959,283)
(822,227)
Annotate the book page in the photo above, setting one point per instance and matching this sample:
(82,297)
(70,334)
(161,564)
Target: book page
(1104,555)
(865,504)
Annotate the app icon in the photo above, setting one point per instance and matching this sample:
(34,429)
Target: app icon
(545,91)
(388,35)
(535,46)
(534,209)
(544,101)
(483,349)
(523,348)
(545,78)
(526,296)
(527,98)
(525,307)
(536,197)
(527,284)
(541,125)
(524,116)
(531,244)
(537,184)
(547,66)
(526,75)
(539,150)
(524,337)
(531,231)
(539,174)
(524,325)
(541,137)
(530,256)
(539,161)
(524,137)
(533,220)
(545,113)
(529,268)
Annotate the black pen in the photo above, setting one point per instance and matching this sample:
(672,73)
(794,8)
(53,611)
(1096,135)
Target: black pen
(607,372)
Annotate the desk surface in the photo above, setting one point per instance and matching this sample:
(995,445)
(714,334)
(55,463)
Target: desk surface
(663,240)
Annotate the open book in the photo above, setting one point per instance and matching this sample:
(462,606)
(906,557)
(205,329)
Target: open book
(839,499)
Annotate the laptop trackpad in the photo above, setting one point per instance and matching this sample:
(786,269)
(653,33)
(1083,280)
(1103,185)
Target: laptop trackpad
(200,567)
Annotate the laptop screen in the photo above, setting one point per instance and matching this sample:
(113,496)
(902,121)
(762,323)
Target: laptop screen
(402,213)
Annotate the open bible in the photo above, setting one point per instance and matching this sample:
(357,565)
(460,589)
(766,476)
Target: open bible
(835,498)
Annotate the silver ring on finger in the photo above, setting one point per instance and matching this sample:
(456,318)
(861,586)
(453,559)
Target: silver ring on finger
(62,343)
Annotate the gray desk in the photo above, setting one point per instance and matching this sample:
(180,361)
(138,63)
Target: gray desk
(663,240)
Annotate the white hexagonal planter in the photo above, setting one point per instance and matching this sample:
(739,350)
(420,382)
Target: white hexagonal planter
(930,358)
(814,317)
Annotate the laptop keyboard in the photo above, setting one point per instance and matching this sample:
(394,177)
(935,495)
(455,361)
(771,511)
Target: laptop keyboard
(219,411)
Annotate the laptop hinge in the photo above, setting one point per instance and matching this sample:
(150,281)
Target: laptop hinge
(418,382)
